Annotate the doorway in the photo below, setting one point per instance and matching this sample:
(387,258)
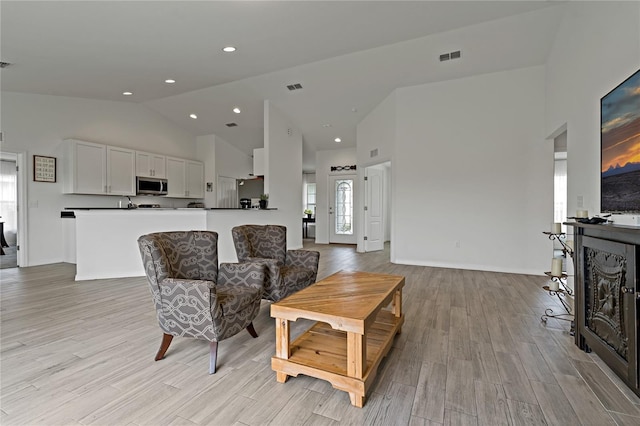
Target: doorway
(227,192)
(341,214)
(12,196)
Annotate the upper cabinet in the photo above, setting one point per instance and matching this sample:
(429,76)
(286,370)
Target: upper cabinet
(92,168)
(151,165)
(258,162)
(185,178)
(121,176)
(85,170)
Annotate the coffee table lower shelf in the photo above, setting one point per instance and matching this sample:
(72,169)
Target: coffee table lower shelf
(321,352)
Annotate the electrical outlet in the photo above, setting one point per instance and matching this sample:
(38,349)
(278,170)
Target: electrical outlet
(580,201)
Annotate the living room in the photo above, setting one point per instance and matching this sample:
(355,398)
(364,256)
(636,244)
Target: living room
(471,155)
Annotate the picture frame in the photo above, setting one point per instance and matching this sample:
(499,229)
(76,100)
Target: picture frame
(44,169)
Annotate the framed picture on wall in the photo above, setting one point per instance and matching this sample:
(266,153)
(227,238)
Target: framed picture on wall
(44,169)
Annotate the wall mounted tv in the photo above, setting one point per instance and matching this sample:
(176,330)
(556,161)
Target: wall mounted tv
(620,148)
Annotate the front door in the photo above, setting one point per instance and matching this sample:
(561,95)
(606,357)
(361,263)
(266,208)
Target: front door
(341,214)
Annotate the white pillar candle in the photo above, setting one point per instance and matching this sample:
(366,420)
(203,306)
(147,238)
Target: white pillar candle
(553,285)
(569,244)
(582,213)
(556,267)
(556,228)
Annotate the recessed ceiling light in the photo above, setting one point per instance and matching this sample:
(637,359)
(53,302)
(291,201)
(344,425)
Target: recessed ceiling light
(338,140)
(127,93)
(169,81)
(236,110)
(229,49)
(193,116)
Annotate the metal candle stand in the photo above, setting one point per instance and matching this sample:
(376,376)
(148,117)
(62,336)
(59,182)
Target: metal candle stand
(563,289)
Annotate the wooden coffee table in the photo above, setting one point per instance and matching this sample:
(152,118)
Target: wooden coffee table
(352,335)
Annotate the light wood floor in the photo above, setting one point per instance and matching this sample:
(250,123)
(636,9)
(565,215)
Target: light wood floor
(472,351)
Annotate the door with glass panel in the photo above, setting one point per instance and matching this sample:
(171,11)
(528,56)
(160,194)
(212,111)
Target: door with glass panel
(341,215)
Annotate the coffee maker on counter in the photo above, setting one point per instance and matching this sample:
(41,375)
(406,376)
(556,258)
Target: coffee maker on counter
(245,203)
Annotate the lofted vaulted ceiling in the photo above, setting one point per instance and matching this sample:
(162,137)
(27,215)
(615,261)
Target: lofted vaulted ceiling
(347,55)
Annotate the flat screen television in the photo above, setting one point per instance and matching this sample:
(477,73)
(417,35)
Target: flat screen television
(620,148)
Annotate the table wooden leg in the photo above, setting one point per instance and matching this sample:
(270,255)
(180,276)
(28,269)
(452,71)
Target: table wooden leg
(282,345)
(397,306)
(356,362)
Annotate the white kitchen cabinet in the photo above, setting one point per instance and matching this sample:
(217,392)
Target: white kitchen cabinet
(85,170)
(92,168)
(258,162)
(151,165)
(121,176)
(185,178)
(195,179)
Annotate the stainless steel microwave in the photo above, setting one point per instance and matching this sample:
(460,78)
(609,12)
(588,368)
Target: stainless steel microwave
(151,186)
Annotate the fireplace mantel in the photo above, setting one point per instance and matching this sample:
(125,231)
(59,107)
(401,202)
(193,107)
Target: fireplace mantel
(607,296)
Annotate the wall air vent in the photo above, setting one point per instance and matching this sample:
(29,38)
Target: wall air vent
(4,64)
(231,124)
(296,86)
(451,55)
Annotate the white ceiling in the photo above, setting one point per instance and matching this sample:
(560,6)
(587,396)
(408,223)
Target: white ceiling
(348,55)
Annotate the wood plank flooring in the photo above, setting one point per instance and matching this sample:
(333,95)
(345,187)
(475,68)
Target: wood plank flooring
(472,351)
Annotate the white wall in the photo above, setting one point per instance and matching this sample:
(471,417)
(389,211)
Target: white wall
(283,171)
(377,131)
(471,166)
(596,48)
(221,159)
(324,161)
(37,124)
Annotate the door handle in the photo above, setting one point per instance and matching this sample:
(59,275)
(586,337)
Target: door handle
(627,290)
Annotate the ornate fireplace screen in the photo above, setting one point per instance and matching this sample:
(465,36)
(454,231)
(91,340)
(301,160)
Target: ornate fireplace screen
(605,274)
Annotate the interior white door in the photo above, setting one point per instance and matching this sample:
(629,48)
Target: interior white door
(374,209)
(341,214)
(227,192)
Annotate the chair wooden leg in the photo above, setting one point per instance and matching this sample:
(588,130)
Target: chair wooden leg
(252,331)
(166,341)
(213,356)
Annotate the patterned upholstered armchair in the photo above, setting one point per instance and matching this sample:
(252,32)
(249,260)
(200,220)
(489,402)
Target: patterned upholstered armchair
(288,271)
(193,298)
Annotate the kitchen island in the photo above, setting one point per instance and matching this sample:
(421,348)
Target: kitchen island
(106,238)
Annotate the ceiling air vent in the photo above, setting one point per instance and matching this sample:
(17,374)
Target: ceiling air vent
(4,64)
(231,124)
(296,86)
(445,57)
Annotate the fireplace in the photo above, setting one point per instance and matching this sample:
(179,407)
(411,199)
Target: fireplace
(606,297)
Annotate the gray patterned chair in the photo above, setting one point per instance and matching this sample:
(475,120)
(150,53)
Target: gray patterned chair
(193,298)
(288,271)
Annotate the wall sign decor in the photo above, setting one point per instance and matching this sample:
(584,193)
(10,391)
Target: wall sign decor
(341,168)
(44,169)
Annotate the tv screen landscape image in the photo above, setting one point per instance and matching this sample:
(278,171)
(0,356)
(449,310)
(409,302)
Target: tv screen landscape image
(620,148)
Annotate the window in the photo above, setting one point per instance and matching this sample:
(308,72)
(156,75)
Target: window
(311,197)
(560,188)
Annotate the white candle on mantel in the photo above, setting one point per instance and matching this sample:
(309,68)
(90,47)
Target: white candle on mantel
(569,244)
(556,267)
(582,213)
(553,285)
(556,228)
